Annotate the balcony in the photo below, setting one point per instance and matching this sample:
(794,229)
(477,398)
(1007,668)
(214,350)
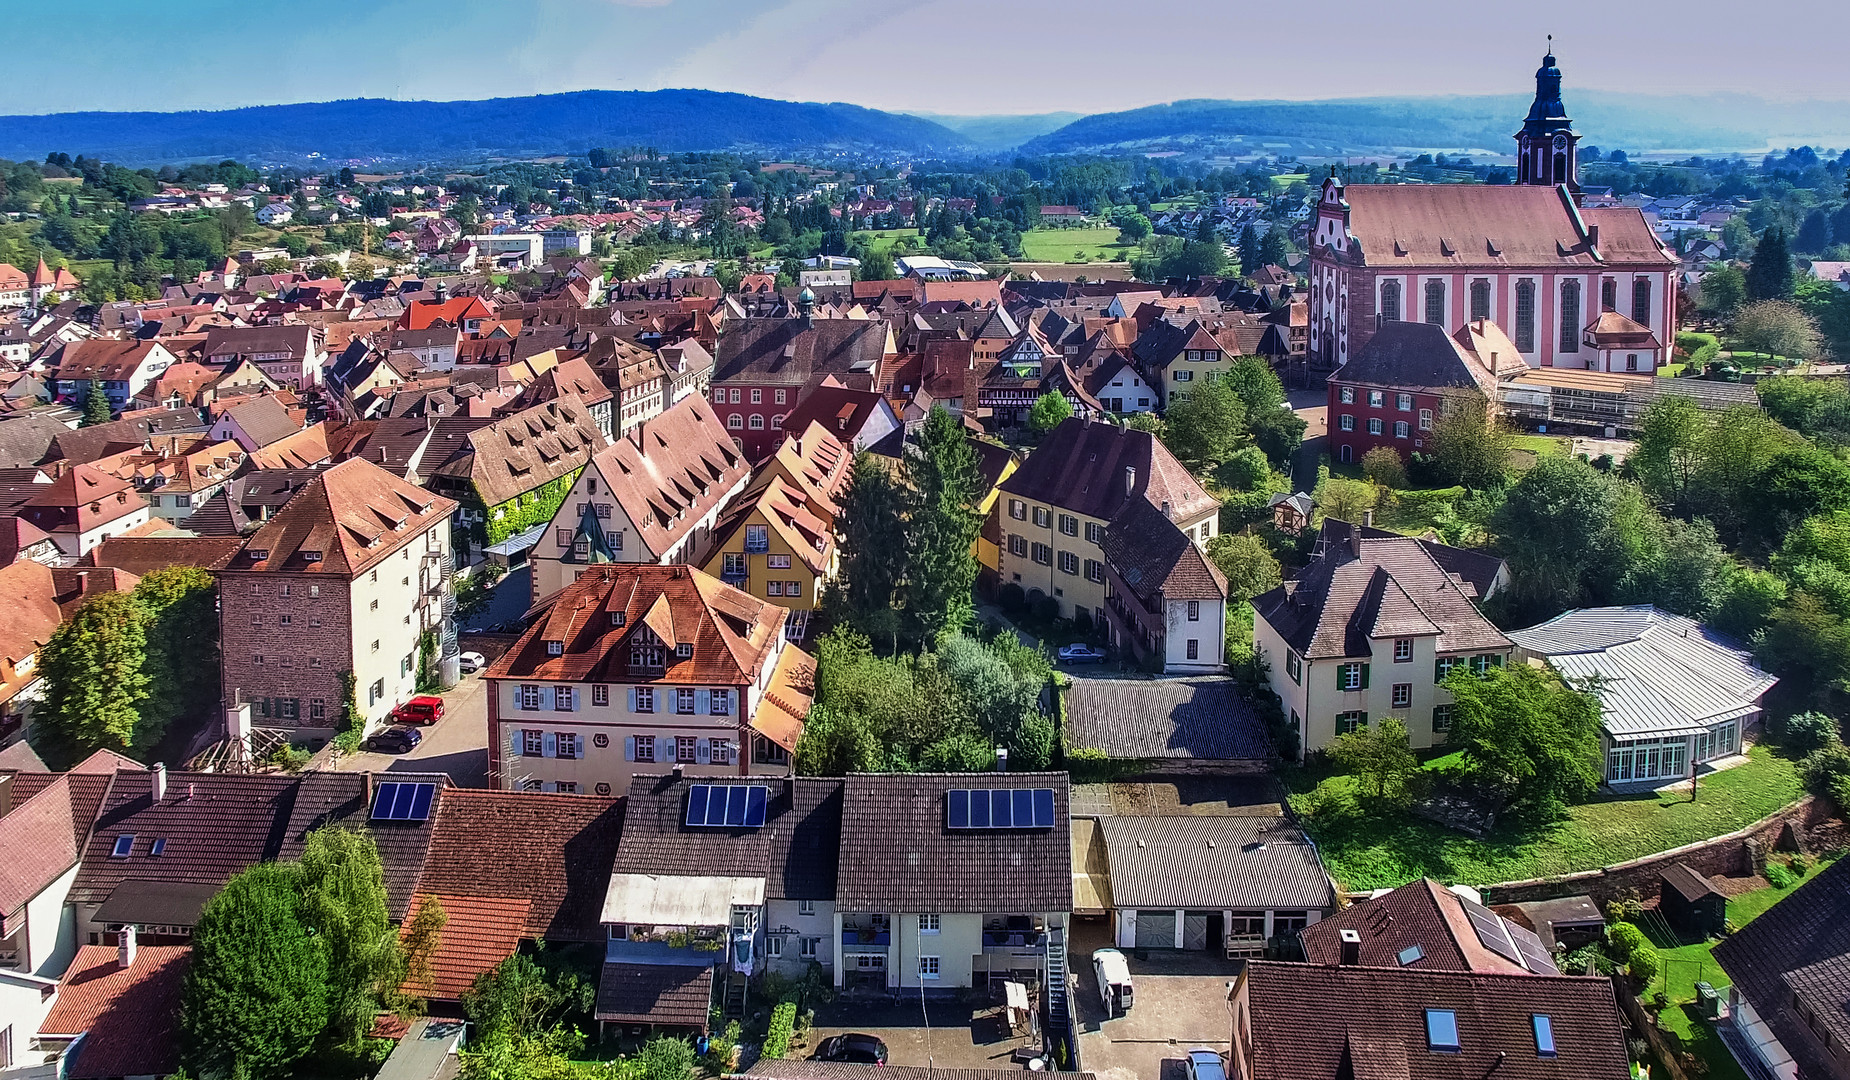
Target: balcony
(873,933)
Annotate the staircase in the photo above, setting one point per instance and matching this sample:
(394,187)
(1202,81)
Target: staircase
(735,996)
(1055,982)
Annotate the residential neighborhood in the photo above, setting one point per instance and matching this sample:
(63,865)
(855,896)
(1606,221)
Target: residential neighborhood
(657,612)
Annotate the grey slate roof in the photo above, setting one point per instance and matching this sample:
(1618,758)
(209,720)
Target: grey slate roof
(898,855)
(1158,560)
(1415,356)
(1164,718)
(795,851)
(1663,674)
(1213,861)
(344,799)
(1801,946)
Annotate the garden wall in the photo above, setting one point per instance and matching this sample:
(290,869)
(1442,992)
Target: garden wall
(1741,853)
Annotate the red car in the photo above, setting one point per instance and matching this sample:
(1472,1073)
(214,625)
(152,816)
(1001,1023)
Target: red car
(424,709)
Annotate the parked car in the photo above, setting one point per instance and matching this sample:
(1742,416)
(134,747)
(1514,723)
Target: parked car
(399,740)
(472,662)
(860,1049)
(424,709)
(1081,653)
(1114,981)
(1205,1064)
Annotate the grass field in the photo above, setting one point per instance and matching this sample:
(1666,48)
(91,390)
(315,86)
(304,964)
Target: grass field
(1074,245)
(1368,848)
(883,239)
(1283,182)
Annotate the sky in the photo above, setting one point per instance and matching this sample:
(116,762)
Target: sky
(940,56)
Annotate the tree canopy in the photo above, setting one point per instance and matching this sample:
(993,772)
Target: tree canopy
(1526,735)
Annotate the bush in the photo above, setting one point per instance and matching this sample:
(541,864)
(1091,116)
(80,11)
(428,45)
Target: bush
(1010,598)
(1644,964)
(783,1023)
(1799,864)
(1383,466)
(1779,876)
(1082,621)
(1826,772)
(1625,940)
(1810,731)
(1047,610)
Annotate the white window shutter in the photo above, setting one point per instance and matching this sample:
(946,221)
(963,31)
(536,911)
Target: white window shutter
(703,754)
(629,748)
(702,701)
(549,744)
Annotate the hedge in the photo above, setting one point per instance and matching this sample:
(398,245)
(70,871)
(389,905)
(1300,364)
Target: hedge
(783,1025)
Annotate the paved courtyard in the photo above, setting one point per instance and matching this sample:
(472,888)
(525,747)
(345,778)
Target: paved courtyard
(1181,1003)
(958,1036)
(456,744)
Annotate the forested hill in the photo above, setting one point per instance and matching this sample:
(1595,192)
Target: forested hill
(367,128)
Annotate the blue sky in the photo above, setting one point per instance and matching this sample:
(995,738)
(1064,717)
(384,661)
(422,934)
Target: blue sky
(944,56)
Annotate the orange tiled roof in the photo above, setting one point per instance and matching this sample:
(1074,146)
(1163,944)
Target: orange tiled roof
(133,1015)
(478,933)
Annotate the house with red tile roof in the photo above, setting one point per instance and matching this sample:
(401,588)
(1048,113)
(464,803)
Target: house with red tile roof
(53,286)
(124,368)
(118,1010)
(28,615)
(633,666)
(83,507)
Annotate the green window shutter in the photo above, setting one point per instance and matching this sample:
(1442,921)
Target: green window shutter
(1496,660)
(1438,671)
(1364,676)
(1342,671)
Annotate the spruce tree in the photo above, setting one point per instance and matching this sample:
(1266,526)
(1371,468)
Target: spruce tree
(1769,276)
(96,405)
(1249,251)
(942,528)
(865,593)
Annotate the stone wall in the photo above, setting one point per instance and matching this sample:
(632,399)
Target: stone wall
(1738,853)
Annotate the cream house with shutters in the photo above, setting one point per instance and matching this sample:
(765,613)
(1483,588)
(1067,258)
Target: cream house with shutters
(642,668)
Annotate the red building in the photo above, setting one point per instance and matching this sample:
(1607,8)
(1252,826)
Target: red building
(764,367)
(1393,392)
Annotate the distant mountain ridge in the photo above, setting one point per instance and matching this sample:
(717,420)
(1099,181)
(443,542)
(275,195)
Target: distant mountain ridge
(364,128)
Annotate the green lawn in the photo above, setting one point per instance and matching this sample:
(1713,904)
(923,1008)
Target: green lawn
(1366,848)
(1074,245)
(883,239)
(1283,182)
(1544,445)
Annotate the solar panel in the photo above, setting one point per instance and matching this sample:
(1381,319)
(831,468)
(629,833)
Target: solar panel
(697,804)
(999,808)
(1534,954)
(734,806)
(1491,932)
(403,802)
(755,799)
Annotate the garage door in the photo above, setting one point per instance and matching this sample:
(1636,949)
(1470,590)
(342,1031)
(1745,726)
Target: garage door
(1156,929)
(1195,930)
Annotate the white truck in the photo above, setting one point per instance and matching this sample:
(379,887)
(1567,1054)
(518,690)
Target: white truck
(1114,981)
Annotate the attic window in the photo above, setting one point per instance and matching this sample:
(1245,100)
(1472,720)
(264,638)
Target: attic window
(124,845)
(684,651)
(1410,955)
(260,554)
(159,847)
(1442,1030)
(555,648)
(311,555)
(1544,1035)
(616,618)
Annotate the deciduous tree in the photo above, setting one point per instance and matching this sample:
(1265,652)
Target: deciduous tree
(1470,445)
(1205,427)
(1247,563)
(1379,758)
(95,673)
(1777,328)
(941,527)
(344,903)
(1527,735)
(1048,412)
(180,612)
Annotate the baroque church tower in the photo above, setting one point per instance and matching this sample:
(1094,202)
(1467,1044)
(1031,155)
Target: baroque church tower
(1547,144)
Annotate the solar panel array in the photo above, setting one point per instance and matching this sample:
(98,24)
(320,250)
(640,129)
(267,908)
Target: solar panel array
(727,806)
(999,808)
(1534,954)
(403,802)
(1514,943)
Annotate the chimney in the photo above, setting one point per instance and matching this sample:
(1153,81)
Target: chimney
(1166,510)
(1130,479)
(6,795)
(125,948)
(679,769)
(1002,759)
(1368,519)
(1593,236)
(157,780)
(369,788)
(238,724)
(1352,948)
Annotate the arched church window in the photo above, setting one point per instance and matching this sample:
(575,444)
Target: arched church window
(1570,316)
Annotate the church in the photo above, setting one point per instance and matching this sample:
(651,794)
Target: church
(1589,288)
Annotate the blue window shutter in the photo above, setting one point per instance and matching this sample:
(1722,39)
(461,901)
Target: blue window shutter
(629,748)
(632,699)
(550,745)
(703,700)
(703,752)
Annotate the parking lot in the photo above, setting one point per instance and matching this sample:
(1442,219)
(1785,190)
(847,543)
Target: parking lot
(1180,1003)
(456,744)
(957,1036)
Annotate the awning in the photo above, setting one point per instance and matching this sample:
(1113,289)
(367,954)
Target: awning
(675,900)
(519,542)
(144,902)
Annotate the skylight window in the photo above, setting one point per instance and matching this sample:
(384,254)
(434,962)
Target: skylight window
(159,847)
(1544,1035)
(1441,1029)
(124,845)
(1411,954)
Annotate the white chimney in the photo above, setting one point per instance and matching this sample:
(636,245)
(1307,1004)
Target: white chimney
(125,948)
(1002,759)
(238,724)
(1130,479)
(1368,519)
(1351,947)
(157,779)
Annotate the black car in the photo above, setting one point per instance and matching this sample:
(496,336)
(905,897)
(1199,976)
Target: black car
(860,1049)
(395,740)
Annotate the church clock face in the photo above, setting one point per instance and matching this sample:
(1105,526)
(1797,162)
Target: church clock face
(1561,142)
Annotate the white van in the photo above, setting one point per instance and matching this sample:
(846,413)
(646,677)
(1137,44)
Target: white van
(1114,981)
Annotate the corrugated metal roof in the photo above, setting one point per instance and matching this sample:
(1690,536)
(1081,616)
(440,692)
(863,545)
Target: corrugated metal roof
(1662,674)
(1219,862)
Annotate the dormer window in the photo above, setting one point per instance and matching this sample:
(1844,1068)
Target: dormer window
(684,651)
(617,618)
(124,845)
(260,554)
(555,648)
(311,555)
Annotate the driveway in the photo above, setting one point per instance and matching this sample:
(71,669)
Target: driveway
(958,1036)
(1313,407)
(456,744)
(1173,1014)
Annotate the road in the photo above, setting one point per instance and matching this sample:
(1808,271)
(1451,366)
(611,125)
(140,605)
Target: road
(1313,406)
(456,744)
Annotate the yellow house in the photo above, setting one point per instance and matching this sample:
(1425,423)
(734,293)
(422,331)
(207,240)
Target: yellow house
(776,545)
(995,464)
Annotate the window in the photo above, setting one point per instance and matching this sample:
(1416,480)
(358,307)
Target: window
(1480,299)
(733,564)
(1018,545)
(1425,419)
(774,588)
(1069,563)
(284,620)
(757,422)
(1095,570)
(1400,429)
(317,709)
(719,751)
(646,650)
(777,422)
(1435,302)
(1348,723)
(1374,425)
(1184,375)
(1525,315)
(1482,664)
(565,699)
(1194,648)
(774,945)
(374,607)
(314,590)
(1390,301)
(735,422)
(1042,517)
(1069,525)
(735,396)
(793,588)
(1403,402)
(1095,533)
(1631,364)
(777,562)
(1294,666)
(1345,422)
(808,947)
(684,700)
(720,703)
(1352,677)
(375,645)
(1441,1029)
(757,396)
(1403,695)
(778,396)
(806,907)
(532,744)
(645,748)
(1194,611)
(529,697)
(1043,554)
(124,845)
(1347,395)
(1641,300)
(1544,1035)
(1375,399)
(684,749)
(928,923)
(600,694)
(1441,719)
(645,699)
(1018,510)
(570,746)
(1609,295)
(555,648)
(1443,667)
(928,967)
(1570,316)
(1412,954)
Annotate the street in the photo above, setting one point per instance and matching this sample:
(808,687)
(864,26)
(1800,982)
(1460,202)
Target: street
(456,744)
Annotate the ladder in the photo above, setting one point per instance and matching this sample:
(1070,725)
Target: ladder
(1055,981)
(735,996)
